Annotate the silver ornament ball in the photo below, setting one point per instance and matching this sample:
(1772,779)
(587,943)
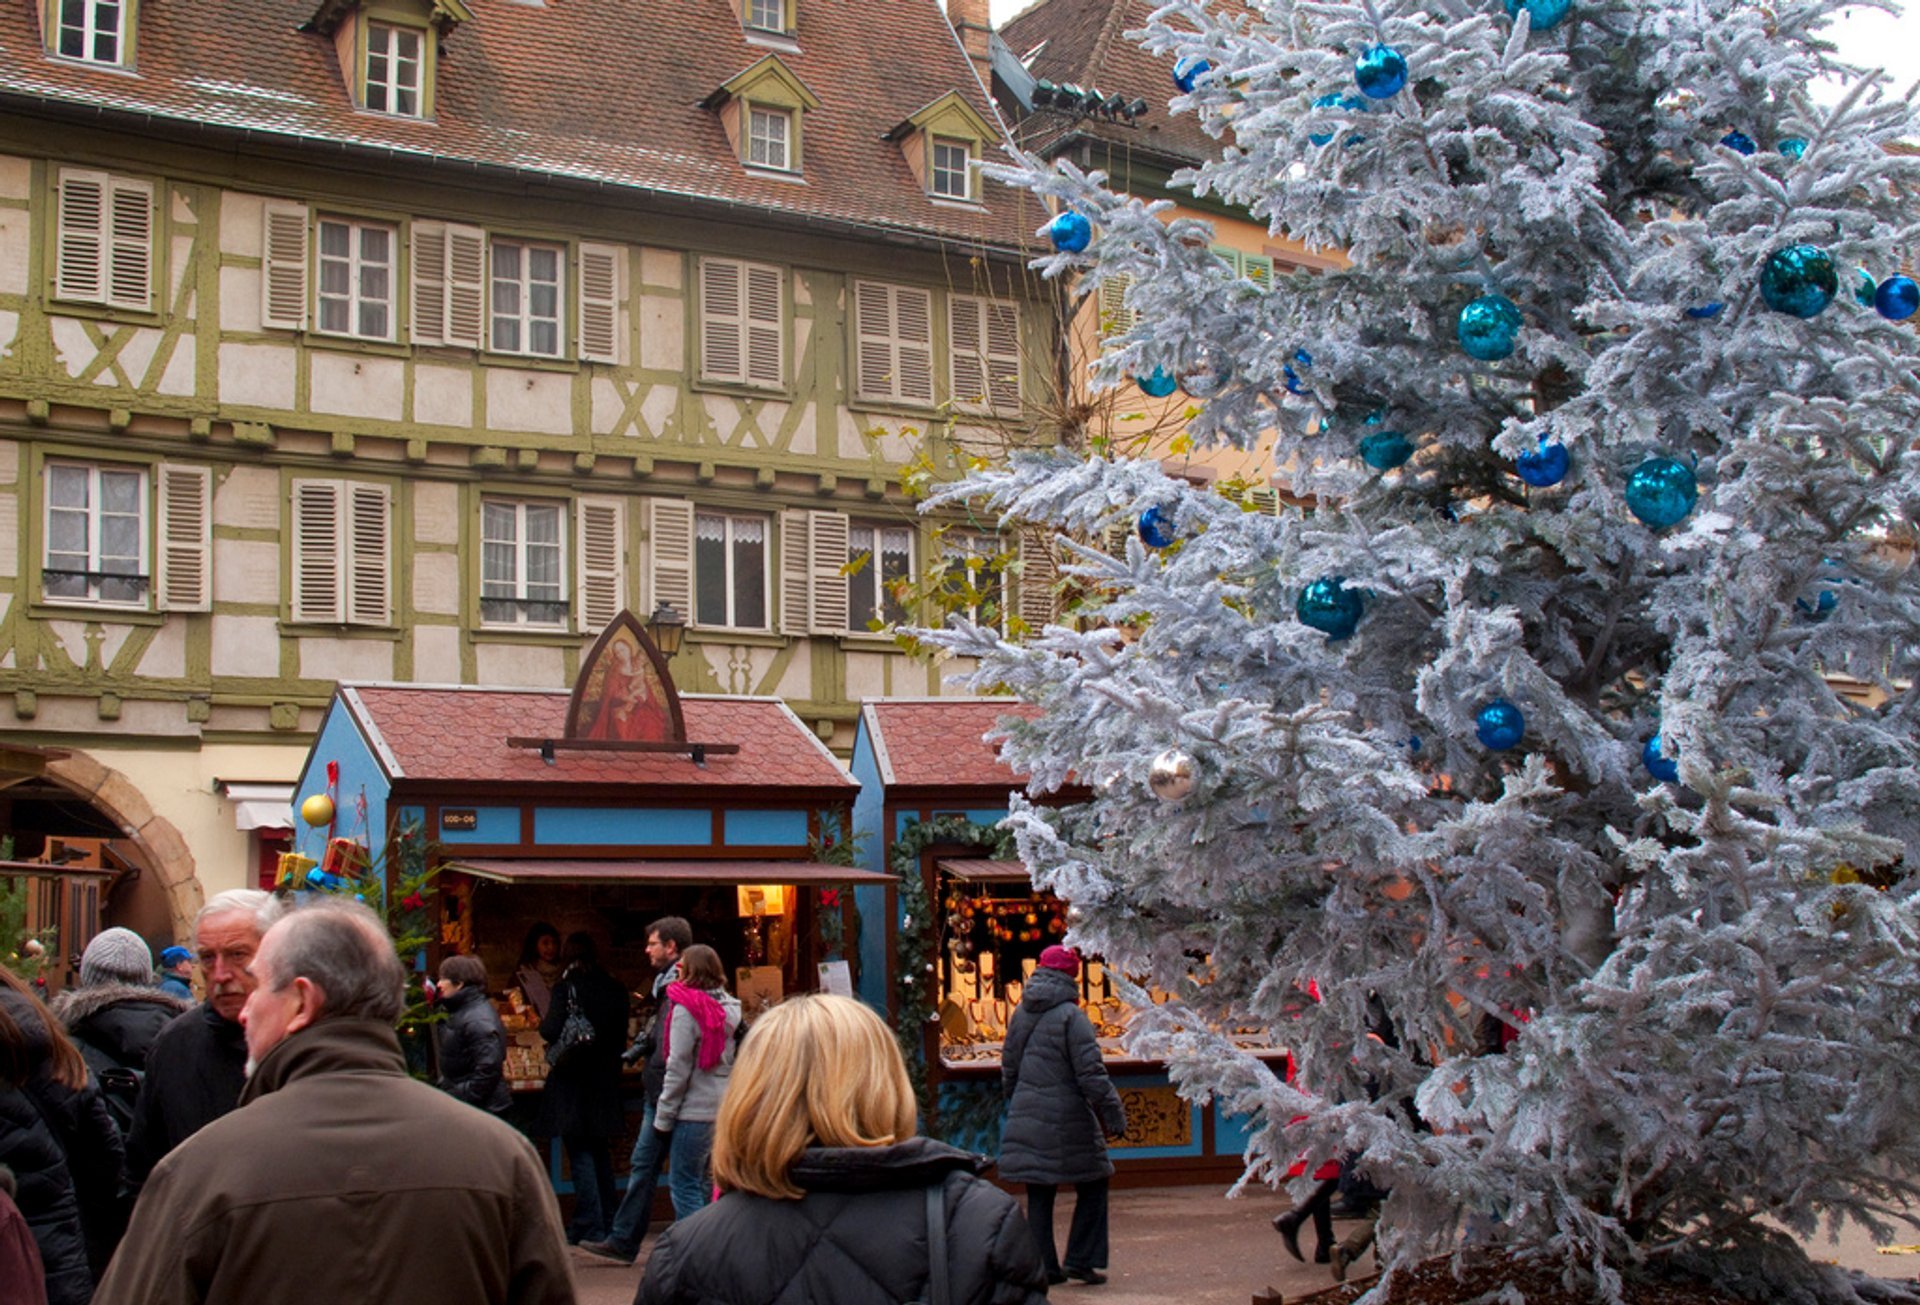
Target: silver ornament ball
(1171,777)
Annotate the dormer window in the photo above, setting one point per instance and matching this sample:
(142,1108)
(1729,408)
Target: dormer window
(394,64)
(767,15)
(942,144)
(763,112)
(769,137)
(389,50)
(93,31)
(951,174)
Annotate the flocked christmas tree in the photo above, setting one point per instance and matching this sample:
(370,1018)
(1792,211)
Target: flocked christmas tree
(1565,734)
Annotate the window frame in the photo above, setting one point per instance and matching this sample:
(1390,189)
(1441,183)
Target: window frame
(789,119)
(903,354)
(111,265)
(356,228)
(873,575)
(748,16)
(935,144)
(986,546)
(522,605)
(731,518)
(90,31)
(759,343)
(981,310)
(94,575)
(525,318)
(390,86)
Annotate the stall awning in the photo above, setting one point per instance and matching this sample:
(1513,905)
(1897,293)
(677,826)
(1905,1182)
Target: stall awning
(663,872)
(259,806)
(985,871)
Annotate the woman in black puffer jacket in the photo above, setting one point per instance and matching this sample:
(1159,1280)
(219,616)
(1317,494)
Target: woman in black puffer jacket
(825,1186)
(472,1043)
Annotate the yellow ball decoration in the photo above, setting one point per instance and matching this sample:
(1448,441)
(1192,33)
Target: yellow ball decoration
(317,810)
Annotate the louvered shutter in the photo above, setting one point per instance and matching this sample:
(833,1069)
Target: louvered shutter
(130,230)
(967,362)
(603,561)
(874,339)
(1257,268)
(600,303)
(1038,572)
(283,283)
(183,561)
(466,286)
(369,554)
(1003,357)
(796,574)
(1115,317)
(429,283)
(915,335)
(670,553)
(80,272)
(722,321)
(827,550)
(317,549)
(766,329)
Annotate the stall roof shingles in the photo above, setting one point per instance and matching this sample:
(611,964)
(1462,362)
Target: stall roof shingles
(451,735)
(600,91)
(930,743)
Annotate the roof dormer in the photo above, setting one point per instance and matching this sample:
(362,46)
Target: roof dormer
(762,111)
(389,50)
(764,19)
(944,143)
(100,32)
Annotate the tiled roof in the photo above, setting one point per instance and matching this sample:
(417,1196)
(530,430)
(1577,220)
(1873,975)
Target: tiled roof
(459,735)
(597,91)
(1085,44)
(934,742)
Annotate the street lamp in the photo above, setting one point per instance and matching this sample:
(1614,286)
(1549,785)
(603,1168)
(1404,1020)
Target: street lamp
(665,627)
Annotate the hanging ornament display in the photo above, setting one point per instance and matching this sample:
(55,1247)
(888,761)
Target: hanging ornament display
(1659,765)
(1739,142)
(1864,288)
(1380,72)
(1544,13)
(1661,492)
(1188,72)
(317,810)
(1897,299)
(1156,527)
(1798,280)
(1488,328)
(1500,725)
(1157,384)
(1707,312)
(1544,466)
(1327,605)
(1070,232)
(1792,147)
(1171,775)
(1383,450)
(1208,376)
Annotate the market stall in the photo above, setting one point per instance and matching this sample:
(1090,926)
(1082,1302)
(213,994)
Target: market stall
(969,930)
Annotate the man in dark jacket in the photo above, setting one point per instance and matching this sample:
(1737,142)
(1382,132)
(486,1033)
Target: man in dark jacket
(343,1179)
(1059,1102)
(197,1064)
(471,1041)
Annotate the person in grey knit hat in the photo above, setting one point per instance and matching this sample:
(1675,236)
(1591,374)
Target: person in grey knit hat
(116,956)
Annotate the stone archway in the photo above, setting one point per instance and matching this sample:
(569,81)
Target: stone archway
(154,837)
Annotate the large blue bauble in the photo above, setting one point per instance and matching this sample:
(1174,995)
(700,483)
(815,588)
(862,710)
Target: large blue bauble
(1380,72)
(1489,327)
(1327,605)
(1792,147)
(1157,384)
(1500,725)
(1156,527)
(1187,73)
(1546,13)
(1798,280)
(1661,492)
(1070,232)
(1897,299)
(1383,450)
(1739,142)
(1546,465)
(1659,764)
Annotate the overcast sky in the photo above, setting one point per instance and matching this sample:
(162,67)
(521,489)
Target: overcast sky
(1866,36)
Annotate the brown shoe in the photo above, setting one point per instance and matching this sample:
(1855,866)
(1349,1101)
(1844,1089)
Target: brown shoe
(1340,1262)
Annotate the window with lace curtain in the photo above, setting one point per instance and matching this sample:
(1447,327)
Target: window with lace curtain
(730,570)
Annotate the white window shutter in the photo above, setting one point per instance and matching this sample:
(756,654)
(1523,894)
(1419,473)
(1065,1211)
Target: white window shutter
(283,281)
(130,262)
(915,325)
(600,302)
(429,282)
(1003,357)
(1038,572)
(670,553)
(722,321)
(796,574)
(602,523)
(967,362)
(766,329)
(466,286)
(875,370)
(183,561)
(368,554)
(80,272)
(828,547)
(317,552)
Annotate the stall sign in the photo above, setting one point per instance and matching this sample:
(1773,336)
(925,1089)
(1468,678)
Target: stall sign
(458,820)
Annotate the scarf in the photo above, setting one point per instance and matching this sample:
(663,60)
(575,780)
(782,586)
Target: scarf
(709,1015)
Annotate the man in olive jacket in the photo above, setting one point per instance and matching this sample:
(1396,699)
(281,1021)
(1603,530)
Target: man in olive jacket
(340,1178)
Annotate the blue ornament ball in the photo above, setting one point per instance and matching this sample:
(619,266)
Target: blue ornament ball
(1383,450)
(1798,280)
(1156,527)
(1327,605)
(1661,492)
(1070,232)
(1739,142)
(1380,72)
(1897,299)
(1500,725)
(1489,327)
(1544,466)
(1157,384)
(1659,764)
(1188,72)
(1821,607)
(1864,288)
(1707,312)
(1291,378)
(1546,13)
(1325,102)
(1792,147)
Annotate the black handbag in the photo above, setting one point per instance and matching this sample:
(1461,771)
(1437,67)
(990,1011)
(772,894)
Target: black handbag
(576,1033)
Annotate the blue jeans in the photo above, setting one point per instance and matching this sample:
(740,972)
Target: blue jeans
(636,1207)
(687,1180)
(592,1168)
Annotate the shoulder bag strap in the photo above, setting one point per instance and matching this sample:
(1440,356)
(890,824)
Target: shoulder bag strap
(937,1287)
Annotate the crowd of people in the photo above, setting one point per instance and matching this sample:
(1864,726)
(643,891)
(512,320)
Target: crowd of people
(270,1138)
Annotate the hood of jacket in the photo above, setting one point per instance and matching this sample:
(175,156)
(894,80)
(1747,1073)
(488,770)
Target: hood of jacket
(1047,989)
(914,1163)
(76,1006)
(336,1045)
(462,999)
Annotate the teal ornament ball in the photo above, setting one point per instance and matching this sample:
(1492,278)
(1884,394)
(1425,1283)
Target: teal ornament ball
(1798,280)
(1156,527)
(1328,606)
(1792,147)
(1864,288)
(1157,384)
(1070,232)
(1661,492)
(1383,450)
(1659,765)
(1545,466)
(1324,102)
(1897,299)
(1488,328)
(1739,142)
(1545,13)
(1380,72)
(1500,725)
